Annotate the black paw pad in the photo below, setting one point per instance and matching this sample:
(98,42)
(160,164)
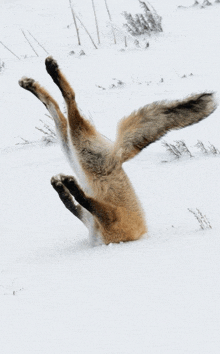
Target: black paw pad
(68,180)
(51,66)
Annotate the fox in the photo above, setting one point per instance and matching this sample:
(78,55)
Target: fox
(101,195)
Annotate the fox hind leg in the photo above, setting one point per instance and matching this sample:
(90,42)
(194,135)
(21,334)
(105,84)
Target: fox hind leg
(52,106)
(59,79)
(77,123)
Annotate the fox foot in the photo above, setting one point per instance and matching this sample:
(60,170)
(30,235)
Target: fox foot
(65,196)
(52,68)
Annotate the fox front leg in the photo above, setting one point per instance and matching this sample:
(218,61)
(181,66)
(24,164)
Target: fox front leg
(66,197)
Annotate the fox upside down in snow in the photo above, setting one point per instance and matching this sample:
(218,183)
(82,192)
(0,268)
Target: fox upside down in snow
(107,203)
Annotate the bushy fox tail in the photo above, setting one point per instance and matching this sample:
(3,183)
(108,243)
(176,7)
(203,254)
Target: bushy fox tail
(151,122)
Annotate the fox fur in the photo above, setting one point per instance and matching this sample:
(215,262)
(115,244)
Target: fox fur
(105,200)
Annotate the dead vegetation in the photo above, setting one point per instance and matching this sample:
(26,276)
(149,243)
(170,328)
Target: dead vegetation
(179,149)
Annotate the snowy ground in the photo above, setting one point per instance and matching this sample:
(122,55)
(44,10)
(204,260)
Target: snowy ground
(160,295)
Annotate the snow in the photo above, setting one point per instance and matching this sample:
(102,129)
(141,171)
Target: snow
(157,295)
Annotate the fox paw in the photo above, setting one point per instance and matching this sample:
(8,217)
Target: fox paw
(51,66)
(66,180)
(71,184)
(56,183)
(27,83)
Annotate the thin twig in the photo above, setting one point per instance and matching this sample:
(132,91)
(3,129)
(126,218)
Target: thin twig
(202,219)
(110,18)
(74,20)
(213,149)
(43,131)
(48,116)
(172,149)
(201,146)
(181,145)
(107,8)
(9,50)
(29,43)
(96,21)
(38,42)
(52,132)
(86,31)
(25,141)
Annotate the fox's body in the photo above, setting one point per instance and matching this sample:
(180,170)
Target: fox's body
(107,203)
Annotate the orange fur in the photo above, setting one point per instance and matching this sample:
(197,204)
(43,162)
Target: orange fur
(107,203)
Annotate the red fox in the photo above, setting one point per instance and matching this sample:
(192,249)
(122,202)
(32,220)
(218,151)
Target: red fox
(107,203)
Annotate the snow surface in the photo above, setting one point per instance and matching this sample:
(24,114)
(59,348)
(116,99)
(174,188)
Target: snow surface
(160,295)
